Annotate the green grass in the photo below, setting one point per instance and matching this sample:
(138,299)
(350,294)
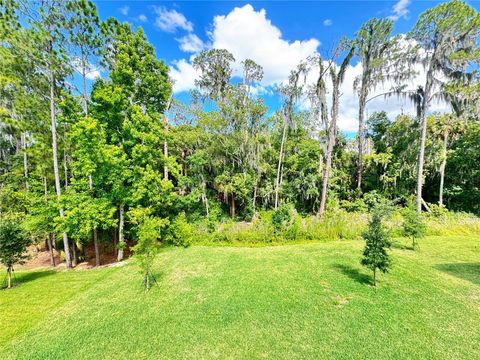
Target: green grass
(309,301)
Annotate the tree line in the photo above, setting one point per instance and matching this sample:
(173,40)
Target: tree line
(121,162)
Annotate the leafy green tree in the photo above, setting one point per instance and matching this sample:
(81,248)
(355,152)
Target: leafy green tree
(148,230)
(375,254)
(447,36)
(413,226)
(13,244)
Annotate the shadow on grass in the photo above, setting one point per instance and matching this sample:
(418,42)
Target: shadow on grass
(465,271)
(25,277)
(354,274)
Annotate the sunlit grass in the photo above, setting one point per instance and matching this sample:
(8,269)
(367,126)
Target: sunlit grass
(298,301)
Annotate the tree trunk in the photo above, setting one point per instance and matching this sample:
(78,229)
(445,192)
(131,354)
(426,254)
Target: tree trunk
(442,167)
(95,244)
(165,143)
(55,166)
(361,112)
(121,243)
(25,160)
(375,277)
(326,174)
(9,277)
(423,137)
(421,160)
(50,248)
(75,255)
(280,160)
(232,205)
(84,78)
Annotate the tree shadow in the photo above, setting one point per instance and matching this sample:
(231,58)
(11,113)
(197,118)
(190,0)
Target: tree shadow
(25,277)
(465,271)
(354,274)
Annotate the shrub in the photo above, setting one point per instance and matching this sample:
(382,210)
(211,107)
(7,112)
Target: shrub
(413,226)
(13,244)
(180,232)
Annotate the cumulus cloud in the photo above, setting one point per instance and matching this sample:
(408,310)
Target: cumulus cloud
(327,22)
(247,33)
(393,105)
(142,18)
(191,43)
(92,71)
(183,75)
(400,10)
(278,57)
(171,20)
(124,10)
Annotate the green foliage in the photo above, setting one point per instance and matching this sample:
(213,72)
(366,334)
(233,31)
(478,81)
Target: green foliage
(148,230)
(413,225)
(180,232)
(13,245)
(377,241)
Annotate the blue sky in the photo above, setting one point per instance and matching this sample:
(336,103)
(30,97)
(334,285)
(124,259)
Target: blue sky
(276,34)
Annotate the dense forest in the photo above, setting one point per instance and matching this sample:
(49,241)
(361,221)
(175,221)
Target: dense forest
(120,164)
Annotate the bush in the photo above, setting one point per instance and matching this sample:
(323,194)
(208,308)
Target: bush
(180,232)
(413,226)
(13,244)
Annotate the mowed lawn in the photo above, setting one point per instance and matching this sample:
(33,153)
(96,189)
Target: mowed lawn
(309,301)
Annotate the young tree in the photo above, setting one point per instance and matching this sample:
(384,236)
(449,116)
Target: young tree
(448,39)
(375,254)
(13,244)
(148,235)
(413,226)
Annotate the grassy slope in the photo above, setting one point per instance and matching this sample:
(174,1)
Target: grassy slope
(283,302)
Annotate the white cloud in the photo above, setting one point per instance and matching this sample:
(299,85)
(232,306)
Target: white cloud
(327,22)
(247,33)
(393,106)
(191,43)
(142,18)
(124,10)
(171,20)
(92,71)
(184,75)
(400,10)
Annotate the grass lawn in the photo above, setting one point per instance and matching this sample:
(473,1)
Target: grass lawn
(309,301)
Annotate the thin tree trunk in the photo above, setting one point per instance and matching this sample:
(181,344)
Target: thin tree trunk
(84,77)
(9,277)
(423,138)
(280,160)
(25,160)
(326,174)
(232,205)
(121,243)
(165,143)
(442,167)
(55,166)
(75,255)
(95,244)
(95,232)
(374,277)
(361,112)
(50,248)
